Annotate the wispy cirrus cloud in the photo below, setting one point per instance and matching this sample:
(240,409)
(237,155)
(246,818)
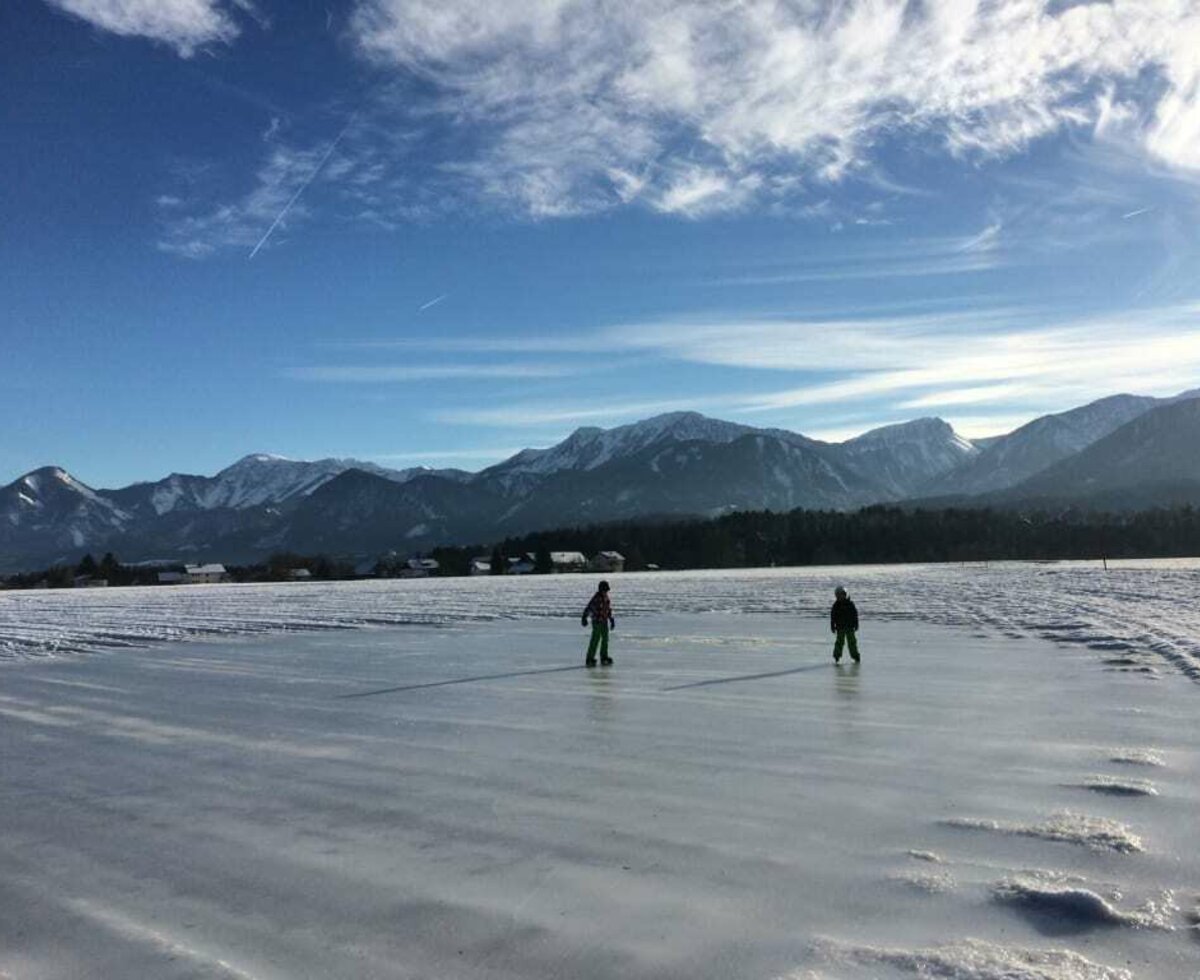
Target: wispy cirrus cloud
(695,108)
(911,258)
(303,186)
(973,364)
(882,357)
(273,203)
(555,108)
(185,25)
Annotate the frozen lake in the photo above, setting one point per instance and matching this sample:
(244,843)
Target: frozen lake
(456,797)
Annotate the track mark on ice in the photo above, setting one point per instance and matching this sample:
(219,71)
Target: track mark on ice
(970,959)
(1137,757)
(1117,787)
(132,929)
(930,883)
(1192,917)
(1096,833)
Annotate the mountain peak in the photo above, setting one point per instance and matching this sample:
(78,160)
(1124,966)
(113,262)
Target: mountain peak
(47,477)
(929,425)
(251,459)
(589,446)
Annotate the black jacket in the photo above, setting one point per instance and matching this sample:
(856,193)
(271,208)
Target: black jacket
(843,615)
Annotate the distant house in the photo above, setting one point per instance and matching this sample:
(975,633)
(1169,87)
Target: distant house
(480,566)
(521,565)
(172,578)
(90,582)
(206,574)
(607,561)
(419,568)
(568,561)
(299,574)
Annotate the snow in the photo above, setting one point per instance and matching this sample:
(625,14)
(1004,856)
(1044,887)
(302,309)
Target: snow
(589,447)
(1145,614)
(459,798)
(261,479)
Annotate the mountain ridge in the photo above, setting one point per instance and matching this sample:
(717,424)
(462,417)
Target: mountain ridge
(680,463)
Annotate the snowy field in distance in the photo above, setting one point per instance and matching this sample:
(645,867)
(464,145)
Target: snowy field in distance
(1143,611)
(462,800)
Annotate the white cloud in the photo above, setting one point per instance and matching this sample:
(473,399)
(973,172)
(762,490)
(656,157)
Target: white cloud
(998,362)
(983,426)
(185,25)
(990,394)
(940,356)
(272,204)
(695,108)
(911,258)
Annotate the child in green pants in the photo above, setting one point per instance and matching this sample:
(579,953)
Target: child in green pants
(599,609)
(843,620)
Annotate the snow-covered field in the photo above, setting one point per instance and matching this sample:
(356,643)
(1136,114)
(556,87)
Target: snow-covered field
(1006,789)
(1149,610)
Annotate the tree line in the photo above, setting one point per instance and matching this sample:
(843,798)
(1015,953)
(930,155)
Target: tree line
(277,568)
(877,534)
(873,535)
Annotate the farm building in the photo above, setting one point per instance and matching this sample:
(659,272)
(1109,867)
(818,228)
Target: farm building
(205,574)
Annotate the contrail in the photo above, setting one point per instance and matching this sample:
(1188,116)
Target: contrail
(1134,214)
(300,190)
(432,302)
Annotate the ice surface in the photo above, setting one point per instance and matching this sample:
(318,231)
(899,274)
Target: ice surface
(1149,609)
(925,881)
(462,799)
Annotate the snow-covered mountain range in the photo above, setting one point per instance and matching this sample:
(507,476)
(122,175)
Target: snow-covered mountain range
(675,464)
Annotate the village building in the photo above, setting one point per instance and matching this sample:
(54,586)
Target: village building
(607,561)
(480,566)
(299,574)
(419,568)
(172,578)
(206,574)
(90,582)
(522,565)
(568,561)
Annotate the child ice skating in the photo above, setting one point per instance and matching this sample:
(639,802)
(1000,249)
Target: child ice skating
(843,620)
(599,610)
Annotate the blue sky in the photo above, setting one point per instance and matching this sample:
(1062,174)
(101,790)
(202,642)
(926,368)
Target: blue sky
(437,231)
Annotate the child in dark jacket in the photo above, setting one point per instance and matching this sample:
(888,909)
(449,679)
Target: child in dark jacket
(599,610)
(843,620)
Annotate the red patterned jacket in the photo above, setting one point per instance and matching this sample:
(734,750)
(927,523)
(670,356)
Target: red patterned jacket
(600,609)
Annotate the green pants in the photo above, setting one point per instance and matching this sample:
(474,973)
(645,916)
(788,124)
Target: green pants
(599,639)
(845,637)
